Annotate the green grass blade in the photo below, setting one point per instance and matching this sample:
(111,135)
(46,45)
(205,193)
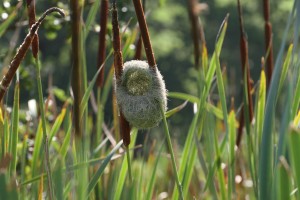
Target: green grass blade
(123,172)
(166,130)
(260,108)
(189,146)
(57,124)
(231,158)
(221,178)
(221,91)
(91,17)
(43,119)
(36,160)
(184,96)
(3,191)
(66,143)
(190,98)
(212,65)
(285,67)
(4,25)
(14,132)
(283,180)
(296,101)
(85,98)
(107,86)
(2,136)
(67,189)
(58,178)
(150,185)
(294,142)
(186,151)
(100,170)
(175,110)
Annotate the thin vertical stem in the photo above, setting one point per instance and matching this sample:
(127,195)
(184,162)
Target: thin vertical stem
(144,32)
(171,152)
(245,67)
(77,62)
(129,164)
(102,41)
(31,19)
(268,41)
(118,64)
(195,27)
(138,48)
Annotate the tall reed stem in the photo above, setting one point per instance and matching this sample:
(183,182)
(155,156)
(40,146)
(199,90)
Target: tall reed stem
(144,32)
(102,41)
(268,41)
(246,81)
(118,64)
(76,9)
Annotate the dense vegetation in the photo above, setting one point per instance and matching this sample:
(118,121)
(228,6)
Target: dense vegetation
(232,125)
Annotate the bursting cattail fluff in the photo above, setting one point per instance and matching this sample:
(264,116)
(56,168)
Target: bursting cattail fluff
(139,93)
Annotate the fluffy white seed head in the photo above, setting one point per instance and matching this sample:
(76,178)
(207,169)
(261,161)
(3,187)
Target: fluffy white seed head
(140,93)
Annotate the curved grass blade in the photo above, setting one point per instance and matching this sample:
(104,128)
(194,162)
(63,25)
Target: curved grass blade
(285,67)
(232,125)
(190,98)
(87,93)
(184,96)
(150,185)
(294,136)
(91,17)
(100,170)
(14,132)
(123,172)
(175,110)
(4,25)
(283,180)
(296,100)
(57,124)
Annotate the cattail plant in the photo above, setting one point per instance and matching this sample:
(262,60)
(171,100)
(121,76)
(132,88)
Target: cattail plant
(246,80)
(140,92)
(15,63)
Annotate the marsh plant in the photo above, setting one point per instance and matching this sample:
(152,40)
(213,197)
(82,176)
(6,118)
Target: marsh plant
(140,94)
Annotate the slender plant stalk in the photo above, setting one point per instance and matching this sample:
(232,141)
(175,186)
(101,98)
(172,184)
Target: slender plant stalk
(245,67)
(31,19)
(22,50)
(268,41)
(129,165)
(195,28)
(171,152)
(145,33)
(138,48)
(118,64)
(45,136)
(14,129)
(76,9)
(102,41)
(100,61)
